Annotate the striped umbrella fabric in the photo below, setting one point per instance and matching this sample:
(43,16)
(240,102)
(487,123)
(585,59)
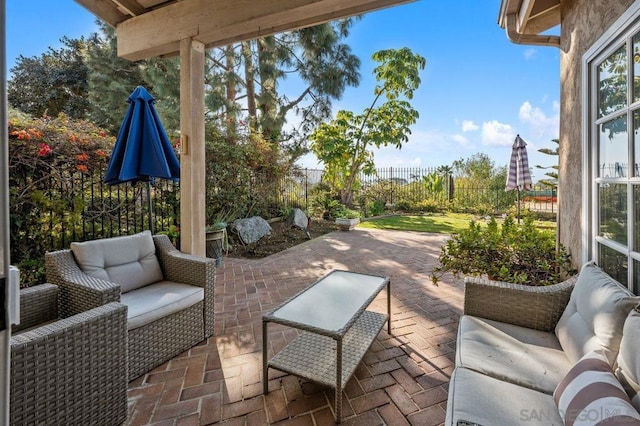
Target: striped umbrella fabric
(519,174)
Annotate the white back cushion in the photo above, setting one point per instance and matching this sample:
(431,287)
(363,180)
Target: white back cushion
(628,370)
(129,260)
(594,317)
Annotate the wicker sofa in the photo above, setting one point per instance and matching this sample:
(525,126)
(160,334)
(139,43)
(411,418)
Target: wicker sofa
(520,349)
(69,371)
(169,294)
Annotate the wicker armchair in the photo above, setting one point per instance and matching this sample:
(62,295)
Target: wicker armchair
(159,341)
(70,371)
(537,307)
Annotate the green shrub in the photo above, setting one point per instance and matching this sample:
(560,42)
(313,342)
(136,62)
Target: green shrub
(375,208)
(525,212)
(428,206)
(346,212)
(48,157)
(404,205)
(520,254)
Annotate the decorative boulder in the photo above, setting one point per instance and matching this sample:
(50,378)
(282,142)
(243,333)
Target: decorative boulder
(298,219)
(251,229)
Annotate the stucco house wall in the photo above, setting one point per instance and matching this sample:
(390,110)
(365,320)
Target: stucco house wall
(583,22)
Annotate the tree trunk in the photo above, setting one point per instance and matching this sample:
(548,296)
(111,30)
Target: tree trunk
(268,100)
(231,92)
(249,76)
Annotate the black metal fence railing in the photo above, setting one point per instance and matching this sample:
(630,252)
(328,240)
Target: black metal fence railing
(49,212)
(80,207)
(77,207)
(394,186)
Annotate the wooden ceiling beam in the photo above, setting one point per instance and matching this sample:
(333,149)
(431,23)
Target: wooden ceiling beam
(106,10)
(221,22)
(132,7)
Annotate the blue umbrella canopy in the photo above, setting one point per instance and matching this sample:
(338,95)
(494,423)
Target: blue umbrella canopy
(142,150)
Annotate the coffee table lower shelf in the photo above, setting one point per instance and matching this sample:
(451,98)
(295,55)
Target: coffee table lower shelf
(314,357)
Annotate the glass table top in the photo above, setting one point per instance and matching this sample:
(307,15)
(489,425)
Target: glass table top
(332,302)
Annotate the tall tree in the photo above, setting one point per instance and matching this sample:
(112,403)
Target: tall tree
(480,171)
(111,79)
(52,83)
(343,144)
(552,174)
(243,83)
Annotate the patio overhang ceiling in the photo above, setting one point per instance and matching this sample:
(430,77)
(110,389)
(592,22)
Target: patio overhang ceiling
(151,28)
(525,20)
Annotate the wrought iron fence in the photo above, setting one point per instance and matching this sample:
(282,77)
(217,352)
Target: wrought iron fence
(77,207)
(394,186)
(49,213)
(81,207)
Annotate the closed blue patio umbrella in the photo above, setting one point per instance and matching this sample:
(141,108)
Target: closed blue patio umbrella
(142,151)
(519,176)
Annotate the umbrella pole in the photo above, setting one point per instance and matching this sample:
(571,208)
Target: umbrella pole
(518,214)
(149,207)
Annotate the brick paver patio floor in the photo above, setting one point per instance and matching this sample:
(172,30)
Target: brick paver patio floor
(402,380)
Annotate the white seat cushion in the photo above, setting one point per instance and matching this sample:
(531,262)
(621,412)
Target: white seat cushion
(155,301)
(129,260)
(477,398)
(526,357)
(595,315)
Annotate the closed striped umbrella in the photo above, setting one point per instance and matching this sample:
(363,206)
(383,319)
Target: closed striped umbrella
(519,176)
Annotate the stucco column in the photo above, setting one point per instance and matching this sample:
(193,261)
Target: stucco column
(192,158)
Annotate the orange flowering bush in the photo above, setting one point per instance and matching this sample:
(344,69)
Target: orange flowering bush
(40,146)
(47,157)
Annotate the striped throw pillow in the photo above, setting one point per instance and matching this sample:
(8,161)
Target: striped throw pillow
(590,394)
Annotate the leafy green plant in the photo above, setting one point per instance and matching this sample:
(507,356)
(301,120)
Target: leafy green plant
(375,208)
(428,206)
(345,212)
(56,153)
(404,205)
(520,254)
(345,144)
(173,232)
(434,183)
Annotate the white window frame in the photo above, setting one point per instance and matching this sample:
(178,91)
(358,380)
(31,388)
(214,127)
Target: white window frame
(616,36)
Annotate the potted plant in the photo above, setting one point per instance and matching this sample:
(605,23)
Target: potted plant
(347,219)
(216,237)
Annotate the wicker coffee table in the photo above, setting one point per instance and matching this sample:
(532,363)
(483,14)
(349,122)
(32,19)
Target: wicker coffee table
(338,329)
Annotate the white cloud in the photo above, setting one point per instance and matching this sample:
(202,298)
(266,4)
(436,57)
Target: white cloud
(540,124)
(416,162)
(530,53)
(496,133)
(469,126)
(460,139)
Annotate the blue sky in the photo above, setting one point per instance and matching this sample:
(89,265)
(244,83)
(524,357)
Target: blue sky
(478,89)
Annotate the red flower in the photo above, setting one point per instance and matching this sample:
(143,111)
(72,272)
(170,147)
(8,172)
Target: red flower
(82,157)
(82,168)
(44,149)
(100,153)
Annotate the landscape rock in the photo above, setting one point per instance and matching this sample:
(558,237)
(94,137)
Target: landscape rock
(251,229)
(298,219)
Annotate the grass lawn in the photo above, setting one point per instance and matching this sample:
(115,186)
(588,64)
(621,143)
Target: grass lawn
(440,223)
